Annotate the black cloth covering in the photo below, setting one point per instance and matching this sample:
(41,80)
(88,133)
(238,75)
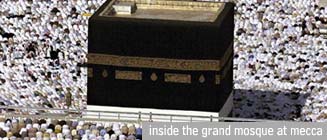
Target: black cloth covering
(160,39)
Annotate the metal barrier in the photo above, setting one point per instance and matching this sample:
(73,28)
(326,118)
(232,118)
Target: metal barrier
(100,116)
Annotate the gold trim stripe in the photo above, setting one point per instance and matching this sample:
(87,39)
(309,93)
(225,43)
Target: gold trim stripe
(128,75)
(169,77)
(161,63)
(227,68)
(90,72)
(217,79)
(178,78)
(157,63)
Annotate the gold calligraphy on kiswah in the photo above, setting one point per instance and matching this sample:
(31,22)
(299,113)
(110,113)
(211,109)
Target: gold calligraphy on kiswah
(155,63)
(128,75)
(168,77)
(178,78)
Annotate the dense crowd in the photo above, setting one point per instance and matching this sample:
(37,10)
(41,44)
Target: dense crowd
(50,129)
(280,63)
(42,46)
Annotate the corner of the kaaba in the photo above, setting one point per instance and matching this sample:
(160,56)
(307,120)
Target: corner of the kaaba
(161,64)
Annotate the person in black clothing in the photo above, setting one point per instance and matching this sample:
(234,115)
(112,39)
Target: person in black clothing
(2,31)
(304,27)
(110,131)
(54,11)
(30,49)
(68,97)
(5,34)
(2,133)
(54,53)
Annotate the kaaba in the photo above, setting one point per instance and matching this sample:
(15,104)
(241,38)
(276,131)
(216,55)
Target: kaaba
(161,54)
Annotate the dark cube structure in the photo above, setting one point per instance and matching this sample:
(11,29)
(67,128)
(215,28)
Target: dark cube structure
(166,55)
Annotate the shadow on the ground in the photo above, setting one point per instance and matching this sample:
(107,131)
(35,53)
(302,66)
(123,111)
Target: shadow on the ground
(258,104)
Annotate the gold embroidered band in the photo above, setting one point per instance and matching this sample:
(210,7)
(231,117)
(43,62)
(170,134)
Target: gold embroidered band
(128,75)
(178,78)
(156,63)
(160,63)
(168,77)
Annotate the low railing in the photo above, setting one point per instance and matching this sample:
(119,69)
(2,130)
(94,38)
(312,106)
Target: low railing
(111,116)
(323,30)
